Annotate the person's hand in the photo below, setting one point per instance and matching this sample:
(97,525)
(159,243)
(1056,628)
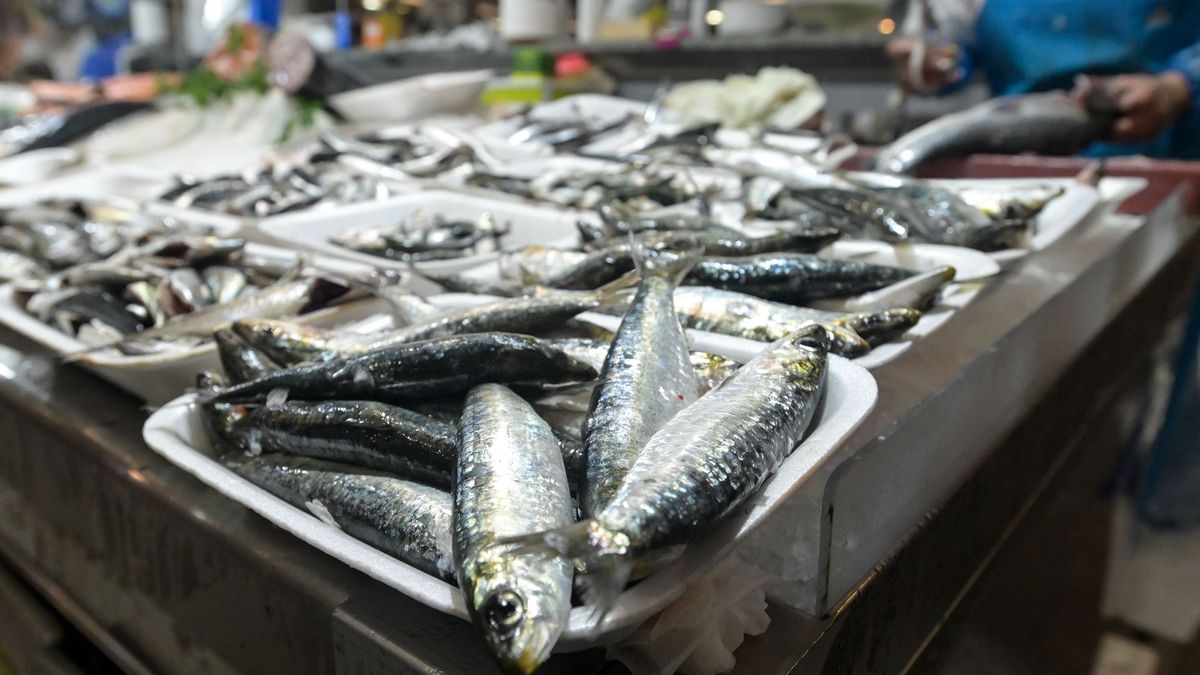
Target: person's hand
(938,68)
(1146,105)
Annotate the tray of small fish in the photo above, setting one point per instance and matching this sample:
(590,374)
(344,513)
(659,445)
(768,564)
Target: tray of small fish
(448,473)
(143,318)
(759,286)
(438,231)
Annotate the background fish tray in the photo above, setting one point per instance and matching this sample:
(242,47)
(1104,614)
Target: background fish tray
(157,378)
(175,432)
(529,225)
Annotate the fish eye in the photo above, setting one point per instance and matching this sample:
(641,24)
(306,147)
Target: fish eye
(504,610)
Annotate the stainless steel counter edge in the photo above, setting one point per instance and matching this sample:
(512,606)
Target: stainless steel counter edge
(927,435)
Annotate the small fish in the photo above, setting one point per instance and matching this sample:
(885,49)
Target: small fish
(408,521)
(294,297)
(440,366)
(14,265)
(183,292)
(240,361)
(701,466)
(225,283)
(510,482)
(794,278)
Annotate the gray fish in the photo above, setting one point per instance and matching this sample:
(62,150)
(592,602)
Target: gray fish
(294,297)
(917,292)
(240,361)
(1051,123)
(647,378)
(701,466)
(14,265)
(357,433)
(745,316)
(510,482)
(225,283)
(794,277)
(292,343)
(183,291)
(408,521)
(145,295)
(440,366)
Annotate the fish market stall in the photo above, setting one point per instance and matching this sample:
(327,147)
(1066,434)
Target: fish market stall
(694,385)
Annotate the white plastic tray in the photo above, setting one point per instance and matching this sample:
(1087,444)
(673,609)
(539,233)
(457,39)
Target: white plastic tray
(175,432)
(157,378)
(530,225)
(413,98)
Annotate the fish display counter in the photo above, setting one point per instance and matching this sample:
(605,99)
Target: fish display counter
(162,573)
(601,381)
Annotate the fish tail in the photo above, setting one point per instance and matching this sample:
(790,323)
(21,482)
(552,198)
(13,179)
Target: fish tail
(665,264)
(600,554)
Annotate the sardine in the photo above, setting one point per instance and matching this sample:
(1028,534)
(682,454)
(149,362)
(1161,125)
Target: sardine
(647,378)
(357,433)
(408,521)
(509,482)
(794,277)
(440,366)
(746,316)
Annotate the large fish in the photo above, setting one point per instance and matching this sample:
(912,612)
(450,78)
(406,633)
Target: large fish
(1051,123)
(510,482)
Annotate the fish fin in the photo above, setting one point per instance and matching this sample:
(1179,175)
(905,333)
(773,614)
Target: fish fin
(666,264)
(614,290)
(598,553)
(601,585)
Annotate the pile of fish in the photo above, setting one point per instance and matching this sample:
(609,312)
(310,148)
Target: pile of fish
(338,169)
(425,236)
(636,185)
(514,448)
(40,238)
(172,292)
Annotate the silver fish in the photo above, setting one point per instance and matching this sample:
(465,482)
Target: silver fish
(701,466)
(289,298)
(409,521)
(647,378)
(14,265)
(745,316)
(224,283)
(509,482)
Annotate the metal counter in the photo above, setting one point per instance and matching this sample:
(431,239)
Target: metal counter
(975,425)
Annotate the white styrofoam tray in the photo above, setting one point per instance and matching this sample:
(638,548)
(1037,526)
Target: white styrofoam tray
(529,225)
(413,98)
(175,432)
(157,378)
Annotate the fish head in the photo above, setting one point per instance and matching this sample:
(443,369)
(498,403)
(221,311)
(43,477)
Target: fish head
(883,326)
(284,341)
(521,603)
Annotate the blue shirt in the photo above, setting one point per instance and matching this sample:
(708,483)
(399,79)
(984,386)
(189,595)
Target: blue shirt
(1037,45)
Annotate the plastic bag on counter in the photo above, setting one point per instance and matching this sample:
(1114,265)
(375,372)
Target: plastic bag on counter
(698,633)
